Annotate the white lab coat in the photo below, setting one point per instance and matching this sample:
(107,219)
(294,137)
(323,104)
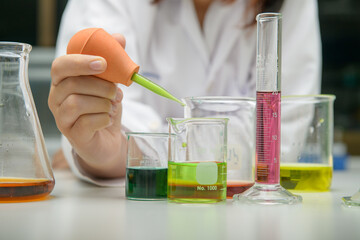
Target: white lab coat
(167,42)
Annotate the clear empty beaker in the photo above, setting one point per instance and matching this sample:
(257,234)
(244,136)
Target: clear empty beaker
(25,171)
(306,142)
(197,160)
(241,135)
(147,166)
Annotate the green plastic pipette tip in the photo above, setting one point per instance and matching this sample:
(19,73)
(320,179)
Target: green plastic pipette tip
(146,83)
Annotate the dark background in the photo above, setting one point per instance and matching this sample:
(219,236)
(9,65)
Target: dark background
(340,31)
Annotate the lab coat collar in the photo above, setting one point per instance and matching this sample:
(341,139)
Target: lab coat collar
(145,23)
(234,32)
(224,43)
(231,33)
(192,29)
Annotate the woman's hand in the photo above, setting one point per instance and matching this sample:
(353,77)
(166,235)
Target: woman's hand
(87,110)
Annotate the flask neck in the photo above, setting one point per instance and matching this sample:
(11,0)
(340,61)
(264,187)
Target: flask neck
(14,58)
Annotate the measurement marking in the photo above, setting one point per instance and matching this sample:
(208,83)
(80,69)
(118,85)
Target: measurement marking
(267,136)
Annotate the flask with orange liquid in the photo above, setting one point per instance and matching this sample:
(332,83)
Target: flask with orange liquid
(25,171)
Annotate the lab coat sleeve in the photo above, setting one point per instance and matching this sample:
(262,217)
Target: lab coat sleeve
(113,16)
(301,70)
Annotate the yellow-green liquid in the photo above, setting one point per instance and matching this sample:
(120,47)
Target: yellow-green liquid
(305,176)
(184,186)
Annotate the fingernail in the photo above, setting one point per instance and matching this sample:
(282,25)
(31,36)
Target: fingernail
(113,109)
(97,65)
(118,97)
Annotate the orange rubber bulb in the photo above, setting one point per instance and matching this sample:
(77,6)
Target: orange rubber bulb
(97,42)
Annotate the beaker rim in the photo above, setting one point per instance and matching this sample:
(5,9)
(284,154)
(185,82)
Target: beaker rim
(149,134)
(310,97)
(15,47)
(325,97)
(196,119)
(219,98)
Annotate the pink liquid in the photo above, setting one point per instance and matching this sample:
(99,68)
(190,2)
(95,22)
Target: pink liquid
(235,187)
(268,137)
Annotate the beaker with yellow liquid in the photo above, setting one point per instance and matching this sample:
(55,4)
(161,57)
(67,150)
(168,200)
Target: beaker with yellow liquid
(307,138)
(25,171)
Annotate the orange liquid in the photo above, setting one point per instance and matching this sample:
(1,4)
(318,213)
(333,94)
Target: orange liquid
(24,189)
(235,187)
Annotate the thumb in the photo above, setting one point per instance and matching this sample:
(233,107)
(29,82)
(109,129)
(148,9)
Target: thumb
(120,38)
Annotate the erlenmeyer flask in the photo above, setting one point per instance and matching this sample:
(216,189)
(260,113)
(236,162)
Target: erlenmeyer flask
(25,172)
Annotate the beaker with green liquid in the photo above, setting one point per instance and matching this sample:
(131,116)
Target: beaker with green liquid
(197,160)
(146,166)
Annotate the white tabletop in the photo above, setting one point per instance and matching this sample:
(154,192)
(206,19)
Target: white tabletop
(78,210)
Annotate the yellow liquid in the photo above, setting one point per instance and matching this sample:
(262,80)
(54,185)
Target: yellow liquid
(183,185)
(306,176)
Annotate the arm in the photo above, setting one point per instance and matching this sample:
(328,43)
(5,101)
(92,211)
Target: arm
(94,145)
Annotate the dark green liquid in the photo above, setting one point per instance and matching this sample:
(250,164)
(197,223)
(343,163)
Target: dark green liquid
(146,183)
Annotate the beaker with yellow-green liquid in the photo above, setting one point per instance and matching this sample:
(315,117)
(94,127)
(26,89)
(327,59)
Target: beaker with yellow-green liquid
(306,142)
(307,176)
(197,161)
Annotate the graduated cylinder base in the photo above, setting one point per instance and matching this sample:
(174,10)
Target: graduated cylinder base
(267,194)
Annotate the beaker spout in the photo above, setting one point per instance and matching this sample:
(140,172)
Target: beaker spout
(177,124)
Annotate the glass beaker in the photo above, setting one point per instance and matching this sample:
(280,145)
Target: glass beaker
(307,123)
(147,165)
(241,134)
(25,171)
(197,160)
(353,201)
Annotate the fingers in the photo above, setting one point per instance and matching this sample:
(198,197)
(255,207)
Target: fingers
(120,38)
(116,125)
(76,105)
(87,125)
(76,65)
(81,103)
(83,85)
(68,109)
